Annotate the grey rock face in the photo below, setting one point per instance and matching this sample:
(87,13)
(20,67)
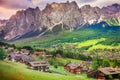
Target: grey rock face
(68,14)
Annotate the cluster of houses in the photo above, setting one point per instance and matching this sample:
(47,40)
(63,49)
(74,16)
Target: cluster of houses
(24,56)
(102,73)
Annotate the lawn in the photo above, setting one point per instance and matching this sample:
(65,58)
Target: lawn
(17,71)
(89,42)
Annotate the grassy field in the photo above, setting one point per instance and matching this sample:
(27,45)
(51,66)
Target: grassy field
(17,71)
(89,42)
(85,38)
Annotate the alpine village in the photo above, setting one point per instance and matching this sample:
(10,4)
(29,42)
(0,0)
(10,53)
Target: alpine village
(62,41)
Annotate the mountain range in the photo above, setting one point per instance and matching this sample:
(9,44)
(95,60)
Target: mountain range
(35,22)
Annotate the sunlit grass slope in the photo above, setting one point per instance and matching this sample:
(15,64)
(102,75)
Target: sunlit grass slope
(17,71)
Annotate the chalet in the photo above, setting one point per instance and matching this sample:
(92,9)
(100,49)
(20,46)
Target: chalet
(39,53)
(14,56)
(48,56)
(73,68)
(105,73)
(87,63)
(10,49)
(25,52)
(43,54)
(26,59)
(18,57)
(39,65)
(85,69)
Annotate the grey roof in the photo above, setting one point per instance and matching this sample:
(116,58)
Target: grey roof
(14,55)
(26,58)
(39,63)
(74,65)
(109,70)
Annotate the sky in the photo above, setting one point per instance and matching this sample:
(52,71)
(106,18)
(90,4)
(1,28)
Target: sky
(9,7)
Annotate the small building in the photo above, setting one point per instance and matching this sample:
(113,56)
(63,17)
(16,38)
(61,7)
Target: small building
(105,73)
(39,53)
(39,65)
(14,56)
(73,68)
(43,54)
(26,59)
(48,56)
(25,52)
(87,63)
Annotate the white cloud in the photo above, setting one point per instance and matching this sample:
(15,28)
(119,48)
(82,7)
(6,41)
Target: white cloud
(9,7)
(6,13)
(99,3)
(15,4)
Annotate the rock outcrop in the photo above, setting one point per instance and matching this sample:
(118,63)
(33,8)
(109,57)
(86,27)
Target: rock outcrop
(68,14)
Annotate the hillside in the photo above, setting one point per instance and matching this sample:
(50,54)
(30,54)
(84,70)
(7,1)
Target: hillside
(84,38)
(33,21)
(17,71)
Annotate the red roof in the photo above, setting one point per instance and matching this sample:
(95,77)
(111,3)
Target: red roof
(38,53)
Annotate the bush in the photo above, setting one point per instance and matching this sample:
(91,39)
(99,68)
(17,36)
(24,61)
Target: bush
(40,57)
(2,54)
(105,63)
(55,66)
(27,47)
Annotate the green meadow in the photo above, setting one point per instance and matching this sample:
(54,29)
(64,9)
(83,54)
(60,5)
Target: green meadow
(17,71)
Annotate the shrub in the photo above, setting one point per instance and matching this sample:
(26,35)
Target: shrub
(55,66)
(2,54)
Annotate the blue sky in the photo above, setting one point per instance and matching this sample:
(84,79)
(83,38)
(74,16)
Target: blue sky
(9,7)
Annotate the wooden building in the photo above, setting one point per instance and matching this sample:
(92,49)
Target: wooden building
(43,54)
(87,63)
(26,59)
(39,53)
(73,68)
(39,65)
(14,56)
(105,73)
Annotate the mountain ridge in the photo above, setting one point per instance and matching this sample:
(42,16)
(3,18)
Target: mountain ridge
(68,14)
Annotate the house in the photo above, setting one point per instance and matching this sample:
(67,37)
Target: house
(10,49)
(14,56)
(87,63)
(26,59)
(85,69)
(73,68)
(105,73)
(39,65)
(17,57)
(48,56)
(43,54)
(39,53)
(25,52)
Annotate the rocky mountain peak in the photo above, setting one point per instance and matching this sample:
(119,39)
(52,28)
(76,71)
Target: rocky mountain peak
(68,14)
(111,9)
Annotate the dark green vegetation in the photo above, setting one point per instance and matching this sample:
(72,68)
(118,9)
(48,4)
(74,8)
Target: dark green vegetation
(109,36)
(97,62)
(2,54)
